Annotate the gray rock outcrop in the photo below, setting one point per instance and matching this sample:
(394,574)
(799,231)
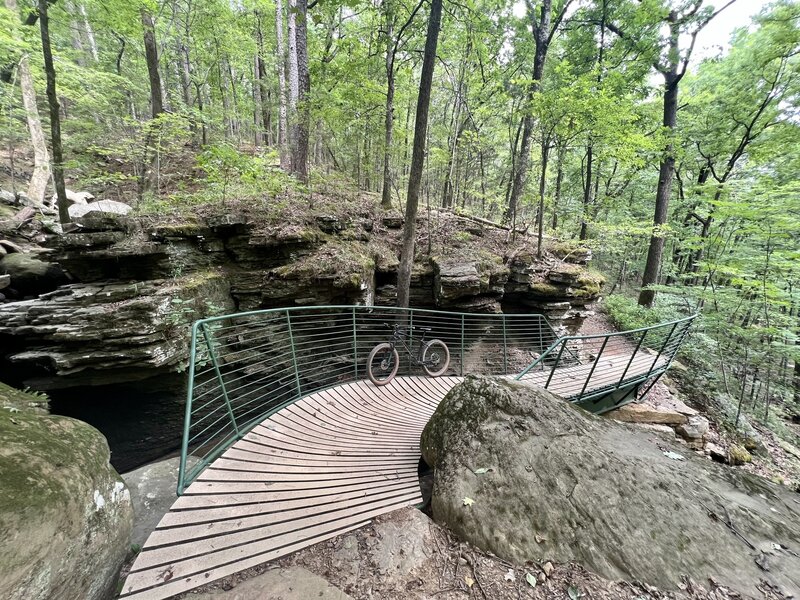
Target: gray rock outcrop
(65,514)
(93,334)
(528,476)
(31,276)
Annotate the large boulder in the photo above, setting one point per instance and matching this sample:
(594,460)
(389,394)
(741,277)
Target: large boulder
(528,476)
(29,275)
(65,514)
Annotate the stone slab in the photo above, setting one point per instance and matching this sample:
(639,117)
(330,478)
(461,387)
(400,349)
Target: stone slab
(292,583)
(642,413)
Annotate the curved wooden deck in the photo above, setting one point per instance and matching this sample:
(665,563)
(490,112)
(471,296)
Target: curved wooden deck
(326,464)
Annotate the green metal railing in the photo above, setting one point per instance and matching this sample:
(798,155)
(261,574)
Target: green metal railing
(603,371)
(245,367)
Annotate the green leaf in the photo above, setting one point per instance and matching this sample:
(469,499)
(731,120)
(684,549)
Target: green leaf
(481,471)
(573,593)
(531,579)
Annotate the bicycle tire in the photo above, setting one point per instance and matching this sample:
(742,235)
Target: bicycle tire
(391,360)
(436,350)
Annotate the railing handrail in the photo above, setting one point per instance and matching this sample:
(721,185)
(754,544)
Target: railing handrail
(216,339)
(568,338)
(258,366)
(262,311)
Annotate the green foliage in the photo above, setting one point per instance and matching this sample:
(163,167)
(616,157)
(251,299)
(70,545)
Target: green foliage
(223,164)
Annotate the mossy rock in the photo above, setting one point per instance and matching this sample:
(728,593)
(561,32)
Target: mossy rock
(738,455)
(547,290)
(65,514)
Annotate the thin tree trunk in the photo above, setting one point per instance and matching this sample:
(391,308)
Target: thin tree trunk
(294,81)
(151,56)
(542,37)
(263,87)
(388,121)
(542,189)
(257,107)
(562,150)
(55,116)
(587,192)
(663,191)
(37,186)
(282,100)
(418,154)
(87,29)
(300,156)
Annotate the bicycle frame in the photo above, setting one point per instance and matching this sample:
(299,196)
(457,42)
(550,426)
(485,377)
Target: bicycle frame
(399,337)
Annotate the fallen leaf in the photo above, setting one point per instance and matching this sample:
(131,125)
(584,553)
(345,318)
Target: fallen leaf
(468,501)
(469,581)
(539,539)
(530,579)
(573,593)
(510,575)
(481,471)
(674,455)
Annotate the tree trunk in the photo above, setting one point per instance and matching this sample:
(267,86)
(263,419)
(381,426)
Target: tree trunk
(587,192)
(418,154)
(663,192)
(75,34)
(263,89)
(562,150)
(542,189)
(300,156)
(257,104)
(282,100)
(294,81)
(87,29)
(541,34)
(151,56)
(37,187)
(55,116)
(388,121)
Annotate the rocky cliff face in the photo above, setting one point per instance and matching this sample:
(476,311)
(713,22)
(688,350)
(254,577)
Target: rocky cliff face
(136,284)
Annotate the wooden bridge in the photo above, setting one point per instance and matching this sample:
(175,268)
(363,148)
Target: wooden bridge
(294,447)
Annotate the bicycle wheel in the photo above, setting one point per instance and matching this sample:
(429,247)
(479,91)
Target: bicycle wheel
(435,358)
(382,364)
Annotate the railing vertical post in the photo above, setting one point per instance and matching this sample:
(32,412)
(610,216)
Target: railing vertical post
(663,347)
(594,366)
(630,362)
(462,345)
(187,419)
(558,360)
(294,353)
(212,353)
(355,344)
(541,334)
(683,334)
(505,348)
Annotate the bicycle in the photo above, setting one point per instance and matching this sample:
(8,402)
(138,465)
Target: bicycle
(384,359)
